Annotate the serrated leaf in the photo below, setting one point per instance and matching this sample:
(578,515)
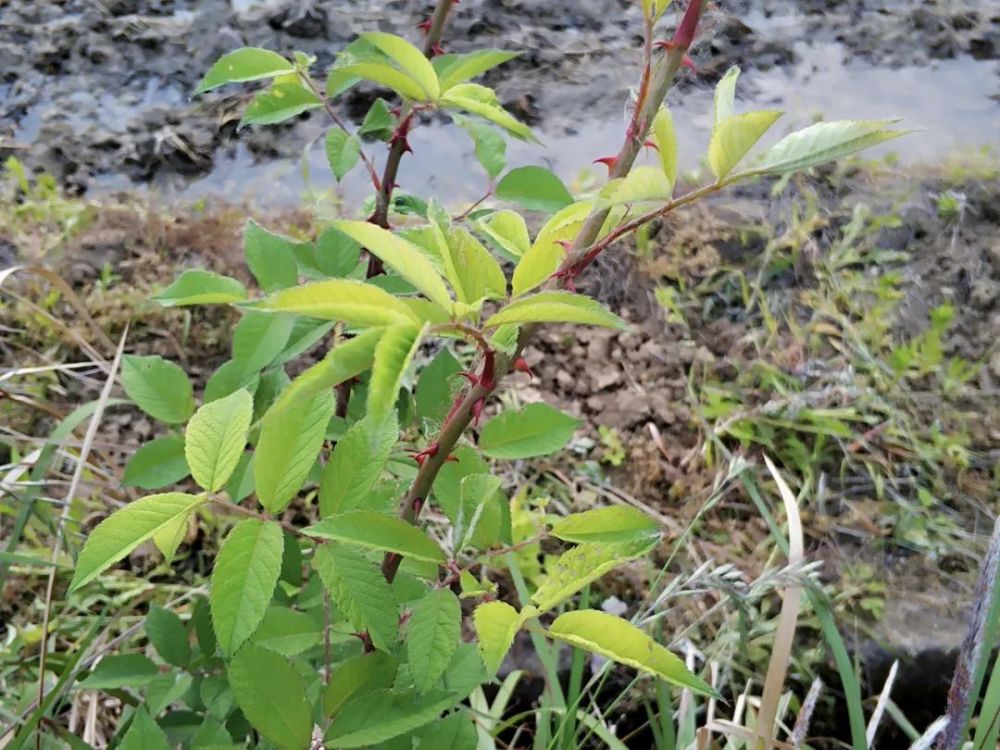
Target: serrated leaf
(125,529)
(399,255)
(824,142)
(338,82)
(393,355)
(144,734)
(433,393)
(496,625)
(168,635)
(725,97)
(535,188)
(490,146)
(360,592)
(286,631)
(156,464)
(620,640)
(246,64)
(565,223)
(343,150)
(735,136)
(165,689)
(283,100)
(198,287)
(228,379)
(384,75)
(158,387)
(215,437)
(407,57)
(353,302)
(336,255)
(378,121)
(582,565)
(243,580)
(666,144)
(556,307)
(640,185)
(535,430)
(271,257)
(456,731)
(433,635)
(473,273)
(364,672)
(258,339)
(481,101)
(356,464)
(169,538)
(508,230)
(462,68)
(397,712)
(371,530)
(477,491)
(272,695)
(537,265)
(291,435)
(121,671)
(617,523)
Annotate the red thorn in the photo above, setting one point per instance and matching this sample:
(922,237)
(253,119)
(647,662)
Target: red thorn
(487,379)
(421,456)
(688,63)
(477,411)
(665,45)
(565,244)
(437,49)
(451,459)
(521,365)
(609,161)
(471,377)
(418,504)
(651,144)
(425,26)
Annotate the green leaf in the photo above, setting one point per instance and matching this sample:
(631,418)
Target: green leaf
(156,464)
(356,464)
(536,430)
(582,565)
(496,625)
(474,273)
(654,9)
(477,493)
(343,362)
(291,435)
(215,438)
(144,734)
(535,188)
(556,307)
(362,673)
(507,229)
(617,523)
(639,185)
(537,265)
(121,671)
(461,68)
(283,100)
(397,712)
(371,530)
(336,254)
(735,136)
(258,339)
(393,355)
(272,695)
(491,148)
(228,379)
(243,580)
(125,529)
(433,392)
(824,142)
(481,101)
(169,538)
(166,689)
(379,121)
(198,287)
(434,634)
(158,387)
(337,82)
(342,152)
(271,257)
(408,58)
(384,75)
(401,256)
(725,97)
(666,143)
(246,64)
(620,640)
(360,592)
(456,731)
(353,302)
(286,631)
(168,635)
(240,484)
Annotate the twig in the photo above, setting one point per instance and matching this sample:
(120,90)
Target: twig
(240,510)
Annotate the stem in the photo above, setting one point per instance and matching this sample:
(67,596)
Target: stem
(240,510)
(398,147)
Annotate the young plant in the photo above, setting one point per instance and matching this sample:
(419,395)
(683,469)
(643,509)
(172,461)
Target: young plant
(331,472)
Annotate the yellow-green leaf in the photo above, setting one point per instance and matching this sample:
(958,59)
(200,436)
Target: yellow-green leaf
(481,101)
(246,64)
(508,230)
(725,97)
(653,9)
(537,265)
(353,302)
(401,256)
(582,565)
(371,530)
(463,67)
(496,625)
(826,141)
(641,184)
(735,136)
(386,75)
(393,355)
(409,58)
(617,523)
(556,307)
(199,287)
(620,640)
(666,143)
(215,437)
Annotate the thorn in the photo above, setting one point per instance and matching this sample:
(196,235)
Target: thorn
(421,456)
(521,365)
(651,144)
(487,379)
(609,161)
(565,244)
(418,504)
(451,459)
(477,412)
(425,26)
(688,63)
(437,49)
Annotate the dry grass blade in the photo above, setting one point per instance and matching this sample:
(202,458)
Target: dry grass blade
(81,462)
(806,712)
(777,668)
(883,701)
(928,737)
